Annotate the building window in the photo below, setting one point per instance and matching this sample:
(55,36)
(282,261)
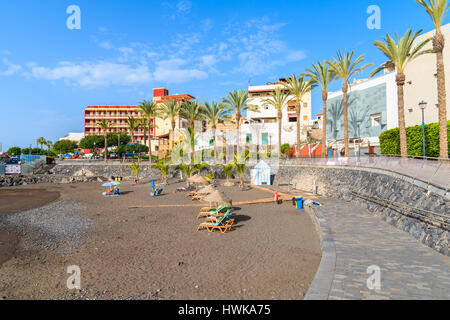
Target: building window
(375,120)
(293,119)
(265,139)
(248,138)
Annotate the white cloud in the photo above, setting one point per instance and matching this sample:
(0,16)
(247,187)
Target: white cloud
(89,74)
(11,68)
(295,56)
(258,47)
(106,45)
(172,71)
(184,7)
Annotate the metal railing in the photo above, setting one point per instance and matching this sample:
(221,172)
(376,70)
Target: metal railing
(429,171)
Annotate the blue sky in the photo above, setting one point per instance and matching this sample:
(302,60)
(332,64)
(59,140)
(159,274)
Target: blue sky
(49,74)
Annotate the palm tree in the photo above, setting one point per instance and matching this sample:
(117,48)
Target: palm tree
(41,141)
(170,109)
(400,54)
(143,124)
(215,113)
(133,125)
(149,110)
(237,101)
(345,68)
(437,10)
(163,169)
(186,169)
(322,75)
(240,165)
(278,99)
(298,87)
(192,111)
(189,138)
(228,171)
(48,144)
(105,125)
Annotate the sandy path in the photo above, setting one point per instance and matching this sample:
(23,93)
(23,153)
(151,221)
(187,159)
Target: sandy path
(273,253)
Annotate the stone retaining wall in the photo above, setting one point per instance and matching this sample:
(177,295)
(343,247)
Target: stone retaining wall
(343,183)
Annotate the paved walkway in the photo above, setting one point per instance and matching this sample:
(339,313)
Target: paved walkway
(353,240)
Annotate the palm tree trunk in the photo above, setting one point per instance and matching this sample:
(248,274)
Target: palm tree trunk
(214,141)
(238,127)
(298,111)
(438,46)
(401,114)
(193,144)
(106,146)
(150,142)
(346,144)
(145,137)
(280,115)
(173,134)
(324,123)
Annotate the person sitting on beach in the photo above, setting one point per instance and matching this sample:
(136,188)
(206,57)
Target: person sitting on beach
(109,192)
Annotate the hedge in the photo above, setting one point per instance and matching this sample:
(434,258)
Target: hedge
(390,141)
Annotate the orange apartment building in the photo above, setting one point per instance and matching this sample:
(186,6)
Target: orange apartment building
(119,114)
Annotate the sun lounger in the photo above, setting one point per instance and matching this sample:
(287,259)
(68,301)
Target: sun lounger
(215,218)
(206,225)
(222,226)
(110,195)
(220,209)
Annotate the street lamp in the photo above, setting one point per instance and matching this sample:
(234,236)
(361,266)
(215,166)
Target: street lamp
(423,105)
(359,139)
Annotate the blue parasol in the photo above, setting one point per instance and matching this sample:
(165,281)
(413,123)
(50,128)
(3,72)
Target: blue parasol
(108,184)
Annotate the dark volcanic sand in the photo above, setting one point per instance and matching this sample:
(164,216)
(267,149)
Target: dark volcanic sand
(17,200)
(272,253)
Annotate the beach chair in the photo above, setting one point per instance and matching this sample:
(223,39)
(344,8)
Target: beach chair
(222,227)
(220,209)
(197,197)
(206,225)
(215,218)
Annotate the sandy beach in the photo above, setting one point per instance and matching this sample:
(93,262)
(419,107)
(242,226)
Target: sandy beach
(273,252)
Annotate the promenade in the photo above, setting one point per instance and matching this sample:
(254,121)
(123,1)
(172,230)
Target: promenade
(354,240)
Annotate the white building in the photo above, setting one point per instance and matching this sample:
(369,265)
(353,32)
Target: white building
(421,83)
(73,136)
(372,109)
(262,127)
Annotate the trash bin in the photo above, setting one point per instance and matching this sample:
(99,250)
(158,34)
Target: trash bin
(299,201)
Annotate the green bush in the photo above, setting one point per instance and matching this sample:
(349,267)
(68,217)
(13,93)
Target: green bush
(390,141)
(284,147)
(131,149)
(14,151)
(90,141)
(64,146)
